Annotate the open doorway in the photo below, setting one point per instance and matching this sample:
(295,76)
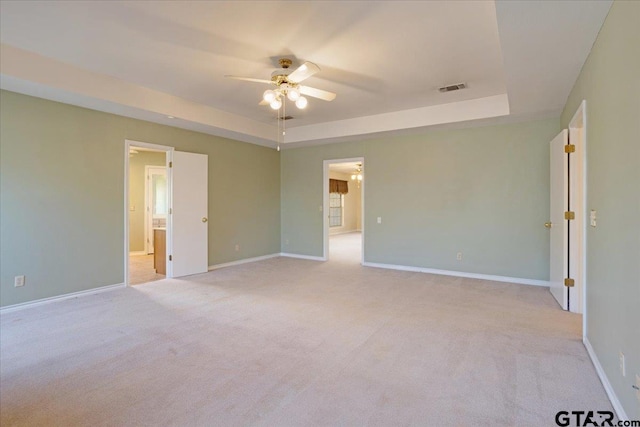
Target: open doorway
(147,216)
(344,210)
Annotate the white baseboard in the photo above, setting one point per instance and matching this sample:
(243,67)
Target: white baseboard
(617,406)
(459,274)
(242,261)
(310,257)
(137,253)
(43,301)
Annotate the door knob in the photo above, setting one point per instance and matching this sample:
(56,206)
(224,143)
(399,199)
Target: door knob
(204,219)
(548,224)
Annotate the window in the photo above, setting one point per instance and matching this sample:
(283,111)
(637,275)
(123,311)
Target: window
(336,201)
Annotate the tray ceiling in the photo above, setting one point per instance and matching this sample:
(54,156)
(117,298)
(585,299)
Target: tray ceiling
(385,60)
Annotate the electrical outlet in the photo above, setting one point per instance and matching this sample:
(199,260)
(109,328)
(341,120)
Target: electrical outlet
(18,281)
(459,256)
(379,220)
(237,248)
(593,218)
(623,368)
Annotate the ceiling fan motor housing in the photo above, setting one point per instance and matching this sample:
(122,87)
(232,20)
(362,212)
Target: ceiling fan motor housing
(280,75)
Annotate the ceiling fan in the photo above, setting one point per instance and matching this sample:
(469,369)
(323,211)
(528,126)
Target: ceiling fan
(287,85)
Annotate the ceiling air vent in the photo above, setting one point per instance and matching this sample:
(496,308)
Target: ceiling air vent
(452,87)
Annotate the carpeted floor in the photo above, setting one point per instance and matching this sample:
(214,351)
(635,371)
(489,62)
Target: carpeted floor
(141,270)
(289,342)
(346,248)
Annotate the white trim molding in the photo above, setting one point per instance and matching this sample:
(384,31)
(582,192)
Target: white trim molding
(617,406)
(309,257)
(326,164)
(242,261)
(29,304)
(518,280)
(128,143)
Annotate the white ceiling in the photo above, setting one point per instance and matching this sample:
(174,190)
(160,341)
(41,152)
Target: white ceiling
(347,167)
(385,60)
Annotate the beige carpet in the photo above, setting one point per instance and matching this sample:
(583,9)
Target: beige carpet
(346,248)
(141,270)
(287,342)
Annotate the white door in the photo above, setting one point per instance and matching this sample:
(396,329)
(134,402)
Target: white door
(558,262)
(189,214)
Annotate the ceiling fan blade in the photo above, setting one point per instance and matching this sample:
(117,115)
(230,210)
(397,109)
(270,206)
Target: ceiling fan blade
(263,102)
(317,93)
(249,79)
(304,71)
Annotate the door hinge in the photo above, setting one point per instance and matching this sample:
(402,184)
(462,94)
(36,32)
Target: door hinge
(170,164)
(170,211)
(569,148)
(170,258)
(569,215)
(569,282)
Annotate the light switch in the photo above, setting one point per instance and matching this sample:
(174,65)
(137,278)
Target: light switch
(592,218)
(18,281)
(379,220)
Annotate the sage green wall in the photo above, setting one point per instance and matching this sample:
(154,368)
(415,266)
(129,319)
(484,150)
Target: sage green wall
(137,164)
(610,83)
(301,195)
(62,195)
(481,191)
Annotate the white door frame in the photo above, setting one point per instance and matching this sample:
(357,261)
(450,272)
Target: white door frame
(578,264)
(168,159)
(325,204)
(148,210)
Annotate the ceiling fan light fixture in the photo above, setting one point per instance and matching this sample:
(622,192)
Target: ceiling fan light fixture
(301,102)
(269,96)
(276,104)
(293,94)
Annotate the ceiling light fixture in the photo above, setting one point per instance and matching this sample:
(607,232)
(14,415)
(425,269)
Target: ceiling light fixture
(276,96)
(287,86)
(293,94)
(357,175)
(276,104)
(269,96)
(301,102)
